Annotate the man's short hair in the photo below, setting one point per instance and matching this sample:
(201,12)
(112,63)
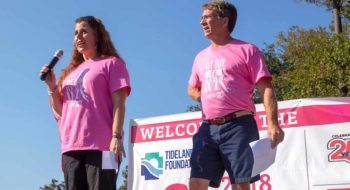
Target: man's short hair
(223,9)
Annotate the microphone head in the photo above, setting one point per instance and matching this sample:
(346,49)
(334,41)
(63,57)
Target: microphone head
(59,54)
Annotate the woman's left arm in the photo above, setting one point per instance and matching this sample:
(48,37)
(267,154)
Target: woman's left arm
(116,144)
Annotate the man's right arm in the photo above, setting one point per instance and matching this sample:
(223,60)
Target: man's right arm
(194,93)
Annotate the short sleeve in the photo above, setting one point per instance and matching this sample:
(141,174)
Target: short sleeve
(194,80)
(118,76)
(257,66)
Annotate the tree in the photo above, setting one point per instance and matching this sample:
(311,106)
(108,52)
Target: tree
(341,9)
(305,63)
(193,108)
(54,185)
(125,181)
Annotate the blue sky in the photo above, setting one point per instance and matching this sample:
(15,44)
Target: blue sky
(158,40)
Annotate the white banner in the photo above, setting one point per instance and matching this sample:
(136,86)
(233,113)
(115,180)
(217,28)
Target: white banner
(315,154)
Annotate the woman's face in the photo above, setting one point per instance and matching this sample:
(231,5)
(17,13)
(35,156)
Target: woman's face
(85,39)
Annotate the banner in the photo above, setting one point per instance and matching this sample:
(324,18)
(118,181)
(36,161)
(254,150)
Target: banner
(315,154)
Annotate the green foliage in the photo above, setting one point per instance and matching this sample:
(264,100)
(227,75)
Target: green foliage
(193,108)
(306,63)
(125,181)
(54,185)
(344,6)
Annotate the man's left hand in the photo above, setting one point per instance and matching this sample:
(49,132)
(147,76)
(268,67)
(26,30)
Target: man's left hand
(276,134)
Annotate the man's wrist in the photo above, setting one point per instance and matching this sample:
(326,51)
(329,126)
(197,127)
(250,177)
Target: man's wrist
(117,136)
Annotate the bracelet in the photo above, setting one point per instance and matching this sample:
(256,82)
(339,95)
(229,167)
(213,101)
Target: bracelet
(51,91)
(117,136)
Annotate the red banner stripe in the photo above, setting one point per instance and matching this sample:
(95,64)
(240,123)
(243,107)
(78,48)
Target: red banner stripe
(314,115)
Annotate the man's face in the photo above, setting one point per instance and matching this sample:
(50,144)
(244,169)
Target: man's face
(212,24)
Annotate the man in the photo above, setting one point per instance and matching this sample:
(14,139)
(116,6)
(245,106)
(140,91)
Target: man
(223,79)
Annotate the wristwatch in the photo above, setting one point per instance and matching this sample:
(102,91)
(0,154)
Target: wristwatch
(117,136)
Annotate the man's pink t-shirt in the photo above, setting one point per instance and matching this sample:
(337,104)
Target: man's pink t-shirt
(227,76)
(87,113)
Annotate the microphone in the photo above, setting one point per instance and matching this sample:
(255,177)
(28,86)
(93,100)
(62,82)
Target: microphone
(58,55)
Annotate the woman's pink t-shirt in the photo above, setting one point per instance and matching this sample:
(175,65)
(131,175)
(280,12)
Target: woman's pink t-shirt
(87,113)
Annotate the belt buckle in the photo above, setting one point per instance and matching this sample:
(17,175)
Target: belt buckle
(219,120)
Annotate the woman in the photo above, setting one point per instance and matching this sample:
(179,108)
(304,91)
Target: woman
(88,102)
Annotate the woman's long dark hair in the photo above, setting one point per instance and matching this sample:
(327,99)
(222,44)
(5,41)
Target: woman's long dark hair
(104,46)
